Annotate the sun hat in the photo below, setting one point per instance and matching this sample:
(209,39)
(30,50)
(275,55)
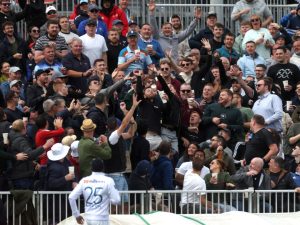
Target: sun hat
(88,125)
(68,140)
(58,151)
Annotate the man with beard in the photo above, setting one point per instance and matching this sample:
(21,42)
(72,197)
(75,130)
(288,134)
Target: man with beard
(165,72)
(284,72)
(295,59)
(222,115)
(53,39)
(217,150)
(150,45)
(217,41)
(114,47)
(12,48)
(183,48)
(36,93)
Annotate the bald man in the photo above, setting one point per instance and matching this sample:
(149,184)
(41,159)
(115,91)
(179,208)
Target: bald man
(252,176)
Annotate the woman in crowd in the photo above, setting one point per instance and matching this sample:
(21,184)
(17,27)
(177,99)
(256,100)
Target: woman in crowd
(188,154)
(5,66)
(219,179)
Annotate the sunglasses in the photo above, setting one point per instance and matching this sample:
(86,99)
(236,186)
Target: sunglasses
(164,69)
(35,31)
(185,64)
(254,20)
(6,4)
(52,12)
(258,85)
(94,11)
(185,91)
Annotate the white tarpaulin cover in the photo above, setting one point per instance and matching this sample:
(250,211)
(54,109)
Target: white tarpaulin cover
(230,218)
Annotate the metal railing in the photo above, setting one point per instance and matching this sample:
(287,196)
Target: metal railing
(183,8)
(52,207)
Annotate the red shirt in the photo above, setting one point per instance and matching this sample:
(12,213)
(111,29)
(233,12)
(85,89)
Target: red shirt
(42,136)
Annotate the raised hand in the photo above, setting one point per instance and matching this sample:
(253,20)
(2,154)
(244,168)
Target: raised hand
(135,102)
(198,13)
(151,6)
(206,44)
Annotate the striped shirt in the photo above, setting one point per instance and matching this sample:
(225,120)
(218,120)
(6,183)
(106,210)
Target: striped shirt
(44,40)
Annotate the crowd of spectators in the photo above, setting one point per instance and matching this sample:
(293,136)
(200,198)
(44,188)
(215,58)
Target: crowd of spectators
(210,111)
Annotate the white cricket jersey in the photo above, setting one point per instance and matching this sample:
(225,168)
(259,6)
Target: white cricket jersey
(98,192)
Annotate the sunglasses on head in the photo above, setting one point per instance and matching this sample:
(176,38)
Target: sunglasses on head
(52,12)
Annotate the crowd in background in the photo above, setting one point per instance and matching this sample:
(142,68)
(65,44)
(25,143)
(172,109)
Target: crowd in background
(213,110)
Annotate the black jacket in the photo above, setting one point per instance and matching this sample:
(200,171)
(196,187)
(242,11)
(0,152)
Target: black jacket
(19,143)
(149,110)
(34,98)
(13,17)
(35,12)
(171,113)
(201,77)
(99,118)
(6,54)
(56,172)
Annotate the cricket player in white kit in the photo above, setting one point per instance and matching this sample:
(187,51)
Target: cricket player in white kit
(98,192)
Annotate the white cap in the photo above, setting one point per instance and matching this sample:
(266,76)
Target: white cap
(74,149)
(49,8)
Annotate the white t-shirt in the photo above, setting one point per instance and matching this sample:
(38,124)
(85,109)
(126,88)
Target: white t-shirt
(184,167)
(93,47)
(68,36)
(98,192)
(192,182)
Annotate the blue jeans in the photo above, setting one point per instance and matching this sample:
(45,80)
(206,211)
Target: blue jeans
(120,184)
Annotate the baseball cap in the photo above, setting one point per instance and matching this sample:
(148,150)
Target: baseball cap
(57,74)
(279,35)
(14,69)
(14,82)
(132,22)
(93,7)
(83,1)
(115,22)
(92,78)
(40,71)
(132,34)
(91,22)
(211,13)
(50,8)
